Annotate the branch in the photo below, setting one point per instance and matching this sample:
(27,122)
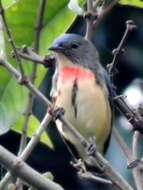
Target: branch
(94,16)
(132,160)
(28,111)
(130,26)
(91,177)
(112,174)
(11,40)
(30,146)
(27,114)
(20,169)
(132,116)
(80,166)
(138,171)
(89,20)
(103,13)
(39,24)
(28,54)
(39,27)
(26,82)
(105,166)
(21,77)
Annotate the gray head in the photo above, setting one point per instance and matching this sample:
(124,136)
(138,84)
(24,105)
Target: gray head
(77,49)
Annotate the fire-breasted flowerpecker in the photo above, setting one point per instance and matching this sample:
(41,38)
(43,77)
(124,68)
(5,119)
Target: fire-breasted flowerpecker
(81,86)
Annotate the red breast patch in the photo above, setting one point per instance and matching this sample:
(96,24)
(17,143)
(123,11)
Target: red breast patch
(79,73)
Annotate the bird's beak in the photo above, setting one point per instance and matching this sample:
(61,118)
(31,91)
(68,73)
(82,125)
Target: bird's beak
(56,48)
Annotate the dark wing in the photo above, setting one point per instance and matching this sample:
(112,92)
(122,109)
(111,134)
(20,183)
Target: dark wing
(111,92)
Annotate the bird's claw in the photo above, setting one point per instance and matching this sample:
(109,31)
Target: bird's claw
(91,149)
(134,164)
(79,165)
(57,113)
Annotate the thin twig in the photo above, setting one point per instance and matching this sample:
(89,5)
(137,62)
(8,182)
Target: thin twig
(105,166)
(28,111)
(27,83)
(132,161)
(132,116)
(112,174)
(91,177)
(39,25)
(119,101)
(138,171)
(25,172)
(130,26)
(103,13)
(23,140)
(11,40)
(30,146)
(137,138)
(89,21)
(81,168)
(95,5)
(28,54)
(94,17)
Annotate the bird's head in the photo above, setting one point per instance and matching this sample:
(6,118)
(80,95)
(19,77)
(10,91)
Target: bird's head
(75,48)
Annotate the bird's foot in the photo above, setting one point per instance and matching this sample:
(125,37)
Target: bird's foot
(56,113)
(91,149)
(79,165)
(135,163)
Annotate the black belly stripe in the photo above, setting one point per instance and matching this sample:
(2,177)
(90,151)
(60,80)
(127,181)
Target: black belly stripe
(74,95)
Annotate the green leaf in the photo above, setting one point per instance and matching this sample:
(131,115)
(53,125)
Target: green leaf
(135,3)
(7,3)
(21,18)
(33,126)
(13,99)
(55,27)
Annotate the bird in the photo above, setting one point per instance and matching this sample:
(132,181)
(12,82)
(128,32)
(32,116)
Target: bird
(81,86)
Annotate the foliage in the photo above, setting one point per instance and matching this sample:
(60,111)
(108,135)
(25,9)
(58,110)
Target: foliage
(135,3)
(21,18)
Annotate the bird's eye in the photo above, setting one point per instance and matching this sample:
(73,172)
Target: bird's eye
(74,46)
(61,44)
